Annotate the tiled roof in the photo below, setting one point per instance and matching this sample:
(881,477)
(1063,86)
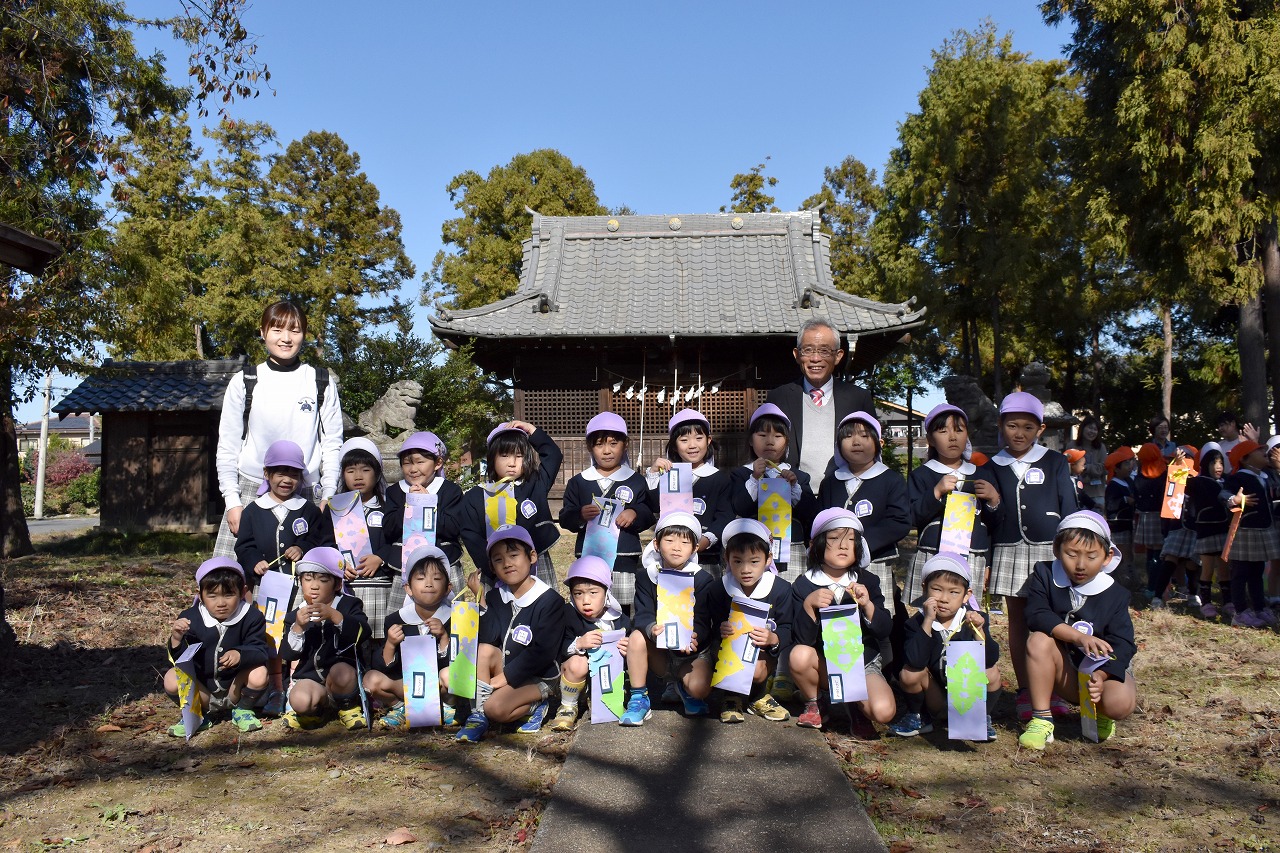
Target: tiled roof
(721,275)
(152,386)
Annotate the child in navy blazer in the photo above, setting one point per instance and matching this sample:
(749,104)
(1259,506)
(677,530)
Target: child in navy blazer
(1256,541)
(371,579)
(280,525)
(422,458)
(1207,501)
(689,440)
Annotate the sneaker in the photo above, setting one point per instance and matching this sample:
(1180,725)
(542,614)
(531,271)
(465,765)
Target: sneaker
(396,718)
(448,716)
(352,718)
(909,724)
(732,710)
(1247,619)
(537,716)
(1022,705)
(1194,601)
(991,730)
(179,730)
(783,688)
(274,706)
(692,707)
(1037,735)
(1229,609)
(811,716)
(1106,727)
(474,728)
(565,719)
(1059,707)
(1209,610)
(638,710)
(1266,615)
(245,720)
(670,695)
(767,707)
(860,726)
(297,722)
(1157,604)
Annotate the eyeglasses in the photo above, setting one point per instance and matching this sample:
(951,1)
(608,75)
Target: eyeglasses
(825,352)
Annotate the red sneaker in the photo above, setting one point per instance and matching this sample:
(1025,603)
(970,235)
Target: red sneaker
(811,716)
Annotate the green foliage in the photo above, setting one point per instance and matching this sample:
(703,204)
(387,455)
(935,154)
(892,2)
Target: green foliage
(481,259)
(850,198)
(749,194)
(84,490)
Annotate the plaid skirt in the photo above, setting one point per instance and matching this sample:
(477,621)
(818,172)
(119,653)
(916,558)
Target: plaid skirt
(797,563)
(1147,529)
(1122,537)
(914,590)
(374,593)
(225,544)
(1211,544)
(624,581)
(545,571)
(1255,545)
(1011,566)
(883,570)
(1181,543)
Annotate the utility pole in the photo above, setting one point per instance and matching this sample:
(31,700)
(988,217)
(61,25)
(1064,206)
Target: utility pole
(44,446)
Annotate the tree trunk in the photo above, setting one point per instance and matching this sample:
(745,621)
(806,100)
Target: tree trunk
(1166,365)
(15,540)
(1271,289)
(996,379)
(965,361)
(1095,381)
(1253,364)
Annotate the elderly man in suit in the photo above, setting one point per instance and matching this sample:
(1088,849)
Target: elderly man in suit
(815,403)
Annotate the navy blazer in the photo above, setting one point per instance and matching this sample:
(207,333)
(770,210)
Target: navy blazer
(633,492)
(1258,513)
(395,669)
(1049,605)
(1030,511)
(1119,510)
(780,601)
(881,505)
(324,644)
(802,512)
(806,631)
(248,637)
(927,510)
(645,605)
(711,504)
(530,640)
(260,538)
(922,650)
(448,515)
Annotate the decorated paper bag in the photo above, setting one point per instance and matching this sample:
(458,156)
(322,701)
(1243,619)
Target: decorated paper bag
(464,645)
(842,648)
(675,610)
(499,506)
(275,599)
(608,689)
(957,524)
(1088,666)
(736,662)
(600,538)
(350,532)
(421,669)
(675,489)
(419,523)
(1175,490)
(774,511)
(188,690)
(966,690)
(1237,512)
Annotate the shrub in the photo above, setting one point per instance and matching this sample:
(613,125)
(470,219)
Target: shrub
(28,500)
(64,467)
(84,489)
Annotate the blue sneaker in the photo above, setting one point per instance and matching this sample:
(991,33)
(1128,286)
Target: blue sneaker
(638,710)
(537,714)
(448,716)
(692,707)
(275,705)
(910,725)
(474,728)
(991,729)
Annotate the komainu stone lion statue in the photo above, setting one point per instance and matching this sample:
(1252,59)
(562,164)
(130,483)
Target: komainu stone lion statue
(395,409)
(964,391)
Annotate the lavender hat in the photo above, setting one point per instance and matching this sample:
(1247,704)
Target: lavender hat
(417,555)
(508,531)
(836,518)
(499,430)
(769,409)
(945,561)
(1022,403)
(590,569)
(606,422)
(685,416)
(427,442)
(1087,519)
(943,409)
(284,454)
(214,563)
(323,560)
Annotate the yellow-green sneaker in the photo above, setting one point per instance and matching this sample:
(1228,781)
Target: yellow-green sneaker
(1106,727)
(768,708)
(297,722)
(731,710)
(352,718)
(245,720)
(396,718)
(565,719)
(783,688)
(1037,734)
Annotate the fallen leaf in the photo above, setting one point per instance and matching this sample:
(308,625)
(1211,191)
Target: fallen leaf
(108,727)
(913,793)
(400,836)
(999,810)
(901,847)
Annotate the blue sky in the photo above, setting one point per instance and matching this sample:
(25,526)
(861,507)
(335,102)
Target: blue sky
(661,102)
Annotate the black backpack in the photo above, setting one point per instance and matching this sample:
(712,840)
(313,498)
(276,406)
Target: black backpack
(251,379)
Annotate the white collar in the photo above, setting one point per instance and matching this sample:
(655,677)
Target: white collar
(763,587)
(622,474)
(652,562)
(432,488)
(821,578)
(210,621)
(539,587)
(269,503)
(770,470)
(409,611)
(1033,454)
(827,387)
(493,488)
(1123,482)
(877,468)
(966,468)
(957,622)
(706,469)
(1101,581)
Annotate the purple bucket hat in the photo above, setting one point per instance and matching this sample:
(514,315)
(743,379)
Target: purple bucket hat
(836,518)
(417,555)
(1020,402)
(214,563)
(427,442)
(508,531)
(499,430)
(323,559)
(943,409)
(1087,519)
(284,454)
(685,416)
(769,409)
(606,422)
(590,569)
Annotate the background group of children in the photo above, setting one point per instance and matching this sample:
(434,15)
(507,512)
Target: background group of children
(1029,543)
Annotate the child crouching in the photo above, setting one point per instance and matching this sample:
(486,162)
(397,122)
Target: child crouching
(1076,610)
(592,610)
(520,634)
(426,610)
(322,635)
(947,585)
(231,669)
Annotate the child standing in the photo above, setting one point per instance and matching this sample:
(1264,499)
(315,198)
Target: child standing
(943,617)
(689,440)
(838,559)
(1256,541)
(231,669)
(749,574)
(1148,529)
(1076,465)
(422,458)
(675,541)
(1075,609)
(524,457)
(280,525)
(521,630)
(864,485)
(592,610)
(770,434)
(1036,492)
(1211,520)
(371,580)
(610,476)
(1119,500)
(322,635)
(947,470)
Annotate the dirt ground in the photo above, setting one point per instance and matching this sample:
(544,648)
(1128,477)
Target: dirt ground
(85,763)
